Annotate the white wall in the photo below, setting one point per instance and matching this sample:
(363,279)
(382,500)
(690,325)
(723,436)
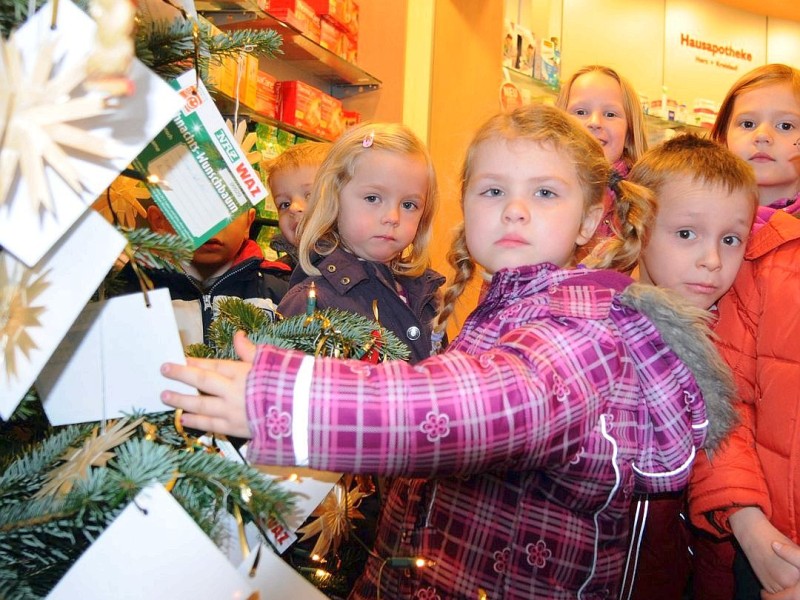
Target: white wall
(642,40)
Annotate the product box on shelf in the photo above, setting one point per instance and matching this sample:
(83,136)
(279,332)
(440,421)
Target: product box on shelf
(350,44)
(220,76)
(266,95)
(351,117)
(332,38)
(300,105)
(246,74)
(303,19)
(664,108)
(297,13)
(341,13)
(332,117)
(547,61)
(704,112)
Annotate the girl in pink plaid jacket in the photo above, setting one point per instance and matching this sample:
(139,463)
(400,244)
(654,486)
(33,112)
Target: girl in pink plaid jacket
(566,391)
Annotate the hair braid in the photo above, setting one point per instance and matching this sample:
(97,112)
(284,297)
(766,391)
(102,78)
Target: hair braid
(463,270)
(634,211)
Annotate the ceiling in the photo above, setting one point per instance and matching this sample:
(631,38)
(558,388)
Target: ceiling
(783,9)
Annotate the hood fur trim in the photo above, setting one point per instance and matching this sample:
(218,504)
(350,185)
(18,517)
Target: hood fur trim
(685,329)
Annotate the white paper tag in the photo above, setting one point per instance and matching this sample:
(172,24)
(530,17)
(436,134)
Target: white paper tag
(26,233)
(72,271)
(153,549)
(273,578)
(108,365)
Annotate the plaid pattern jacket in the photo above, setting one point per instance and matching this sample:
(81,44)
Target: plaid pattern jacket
(534,428)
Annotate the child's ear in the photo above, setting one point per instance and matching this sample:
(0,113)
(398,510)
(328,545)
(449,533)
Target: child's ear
(251,216)
(589,224)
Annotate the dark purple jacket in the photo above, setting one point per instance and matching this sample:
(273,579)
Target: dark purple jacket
(349,283)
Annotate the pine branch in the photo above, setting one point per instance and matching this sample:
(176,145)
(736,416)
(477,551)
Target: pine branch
(169,48)
(330,332)
(154,250)
(25,475)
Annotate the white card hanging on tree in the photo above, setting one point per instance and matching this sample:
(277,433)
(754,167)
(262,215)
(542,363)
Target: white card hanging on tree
(38,305)
(107,366)
(63,144)
(153,549)
(273,578)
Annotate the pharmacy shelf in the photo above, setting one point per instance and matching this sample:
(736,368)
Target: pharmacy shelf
(345,78)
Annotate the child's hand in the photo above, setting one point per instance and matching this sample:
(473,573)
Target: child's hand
(756,535)
(791,554)
(220,407)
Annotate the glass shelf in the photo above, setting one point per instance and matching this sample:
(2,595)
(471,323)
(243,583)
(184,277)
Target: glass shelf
(345,78)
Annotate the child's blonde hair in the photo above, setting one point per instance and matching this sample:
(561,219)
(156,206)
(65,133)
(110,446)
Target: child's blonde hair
(759,77)
(307,154)
(636,137)
(688,156)
(546,125)
(319,233)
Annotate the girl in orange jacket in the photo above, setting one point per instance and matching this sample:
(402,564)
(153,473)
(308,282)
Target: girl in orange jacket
(751,487)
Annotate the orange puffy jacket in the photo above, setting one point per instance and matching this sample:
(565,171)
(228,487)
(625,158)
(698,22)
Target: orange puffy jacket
(759,329)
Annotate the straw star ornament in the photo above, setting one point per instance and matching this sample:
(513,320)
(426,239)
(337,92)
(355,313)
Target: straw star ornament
(37,109)
(19,291)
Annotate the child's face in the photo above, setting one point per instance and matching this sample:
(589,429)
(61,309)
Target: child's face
(291,189)
(523,205)
(381,206)
(595,99)
(223,247)
(764,125)
(697,241)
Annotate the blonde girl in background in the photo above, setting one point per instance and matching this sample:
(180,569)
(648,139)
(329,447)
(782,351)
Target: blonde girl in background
(751,489)
(558,400)
(609,107)
(365,242)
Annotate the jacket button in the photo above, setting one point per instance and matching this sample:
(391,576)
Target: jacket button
(344,280)
(413,332)
(331,268)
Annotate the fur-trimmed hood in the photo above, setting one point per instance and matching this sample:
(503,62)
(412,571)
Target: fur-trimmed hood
(685,329)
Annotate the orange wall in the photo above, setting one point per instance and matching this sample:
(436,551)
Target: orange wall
(381,53)
(465,81)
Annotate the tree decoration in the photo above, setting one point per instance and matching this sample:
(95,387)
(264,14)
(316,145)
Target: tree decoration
(95,452)
(19,290)
(122,202)
(334,517)
(246,140)
(36,129)
(111,59)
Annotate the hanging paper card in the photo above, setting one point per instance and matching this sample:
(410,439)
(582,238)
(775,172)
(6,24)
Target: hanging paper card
(39,305)
(63,144)
(273,578)
(309,487)
(203,177)
(153,549)
(108,364)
